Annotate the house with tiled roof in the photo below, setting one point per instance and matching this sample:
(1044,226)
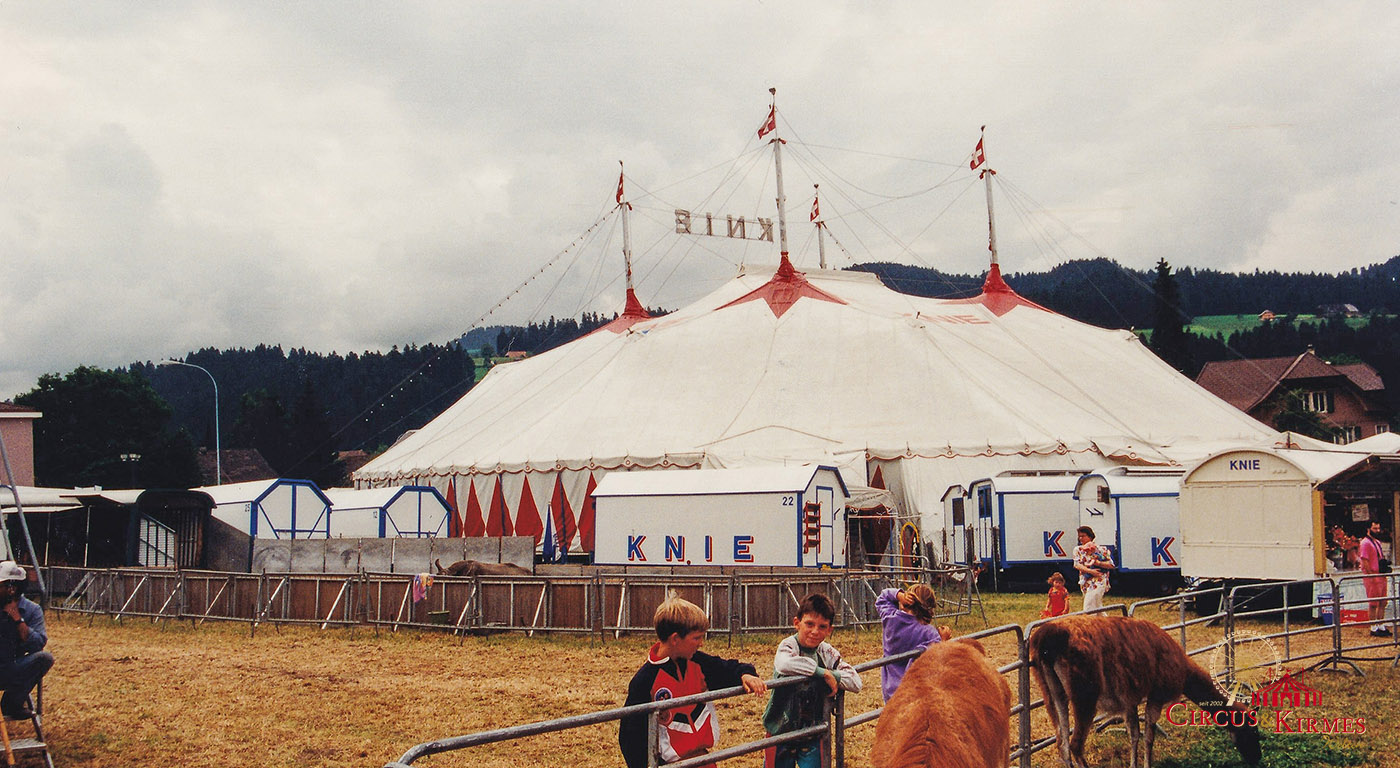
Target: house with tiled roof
(1349,397)
(17,430)
(239,465)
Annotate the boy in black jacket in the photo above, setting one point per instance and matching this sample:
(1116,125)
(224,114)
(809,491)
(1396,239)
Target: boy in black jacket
(676,667)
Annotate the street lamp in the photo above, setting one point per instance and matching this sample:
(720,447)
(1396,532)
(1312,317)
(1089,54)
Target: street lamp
(218,464)
(131,458)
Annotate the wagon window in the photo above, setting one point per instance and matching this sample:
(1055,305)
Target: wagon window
(157,545)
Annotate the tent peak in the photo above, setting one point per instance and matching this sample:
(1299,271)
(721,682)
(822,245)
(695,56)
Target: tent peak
(632,313)
(785,288)
(997,296)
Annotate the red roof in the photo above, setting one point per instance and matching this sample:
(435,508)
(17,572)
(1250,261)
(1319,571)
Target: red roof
(1246,383)
(12,408)
(1363,376)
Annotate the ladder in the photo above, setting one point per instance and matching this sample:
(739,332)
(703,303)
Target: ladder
(26,746)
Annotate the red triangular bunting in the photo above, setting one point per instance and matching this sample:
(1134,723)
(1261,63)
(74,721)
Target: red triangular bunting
(454,518)
(473,525)
(498,517)
(527,515)
(585,517)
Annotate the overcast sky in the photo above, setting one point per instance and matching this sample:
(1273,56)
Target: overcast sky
(349,176)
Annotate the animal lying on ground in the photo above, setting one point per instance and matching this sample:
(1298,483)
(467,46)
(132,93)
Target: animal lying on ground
(1112,664)
(951,711)
(478,568)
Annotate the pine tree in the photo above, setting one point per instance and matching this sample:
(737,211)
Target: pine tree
(1168,329)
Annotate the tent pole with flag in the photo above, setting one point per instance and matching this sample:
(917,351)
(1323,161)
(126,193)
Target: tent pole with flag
(816,218)
(770,125)
(979,157)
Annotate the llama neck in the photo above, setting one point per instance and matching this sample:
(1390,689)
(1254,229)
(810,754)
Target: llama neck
(1200,687)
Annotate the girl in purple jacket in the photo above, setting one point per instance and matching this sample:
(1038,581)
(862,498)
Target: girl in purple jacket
(907,616)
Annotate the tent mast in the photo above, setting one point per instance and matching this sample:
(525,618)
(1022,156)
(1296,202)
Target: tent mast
(987,174)
(821,236)
(632,308)
(627,228)
(778,175)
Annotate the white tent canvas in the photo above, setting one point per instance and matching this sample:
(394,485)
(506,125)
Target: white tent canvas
(785,367)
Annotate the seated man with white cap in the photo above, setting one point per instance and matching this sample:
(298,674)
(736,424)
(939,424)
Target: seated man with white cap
(23,660)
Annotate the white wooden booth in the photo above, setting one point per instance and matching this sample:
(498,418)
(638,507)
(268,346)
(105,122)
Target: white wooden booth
(407,511)
(1134,510)
(1266,513)
(273,509)
(769,516)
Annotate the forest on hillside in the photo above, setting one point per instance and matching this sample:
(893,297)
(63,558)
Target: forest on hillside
(369,399)
(1104,293)
(299,407)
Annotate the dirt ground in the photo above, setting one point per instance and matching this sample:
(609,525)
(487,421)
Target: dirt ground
(138,693)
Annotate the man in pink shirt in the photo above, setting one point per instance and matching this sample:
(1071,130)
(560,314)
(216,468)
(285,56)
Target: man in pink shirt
(1369,553)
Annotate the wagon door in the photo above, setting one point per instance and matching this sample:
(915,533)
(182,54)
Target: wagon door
(826,552)
(985,524)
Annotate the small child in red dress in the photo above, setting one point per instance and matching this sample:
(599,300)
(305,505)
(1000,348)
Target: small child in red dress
(1057,604)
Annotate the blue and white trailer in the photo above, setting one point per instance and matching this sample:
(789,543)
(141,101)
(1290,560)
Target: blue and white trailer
(1135,511)
(409,511)
(760,516)
(1015,520)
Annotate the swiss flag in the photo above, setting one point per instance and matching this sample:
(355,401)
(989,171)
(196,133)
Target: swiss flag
(978,156)
(619,188)
(816,210)
(770,123)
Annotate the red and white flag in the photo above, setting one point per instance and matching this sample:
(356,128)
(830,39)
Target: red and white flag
(978,156)
(816,210)
(770,123)
(619,187)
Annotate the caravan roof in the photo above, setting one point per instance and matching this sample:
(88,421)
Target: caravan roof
(711,481)
(1034,482)
(1137,481)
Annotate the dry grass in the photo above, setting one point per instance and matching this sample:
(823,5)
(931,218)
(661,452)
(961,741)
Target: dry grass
(170,694)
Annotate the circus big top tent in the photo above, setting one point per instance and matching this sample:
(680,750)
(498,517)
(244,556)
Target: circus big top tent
(907,393)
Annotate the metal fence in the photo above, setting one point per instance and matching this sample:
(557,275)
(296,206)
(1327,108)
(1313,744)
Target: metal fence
(1313,631)
(601,602)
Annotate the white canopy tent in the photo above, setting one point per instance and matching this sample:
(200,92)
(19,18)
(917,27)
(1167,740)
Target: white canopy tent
(778,366)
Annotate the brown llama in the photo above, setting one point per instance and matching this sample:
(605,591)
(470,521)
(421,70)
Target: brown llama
(951,711)
(1112,664)
(478,568)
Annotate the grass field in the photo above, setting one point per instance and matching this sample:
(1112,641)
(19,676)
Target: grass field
(138,693)
(1206,325)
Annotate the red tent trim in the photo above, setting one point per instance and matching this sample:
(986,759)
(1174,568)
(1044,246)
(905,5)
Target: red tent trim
(473,524)
(997,296)
(527,515)
(586,514)
(787,286)
(498,521)
(454,518)
(563,514)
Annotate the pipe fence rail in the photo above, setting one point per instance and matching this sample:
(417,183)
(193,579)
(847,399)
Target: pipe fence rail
(1238,659)
(600,603)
